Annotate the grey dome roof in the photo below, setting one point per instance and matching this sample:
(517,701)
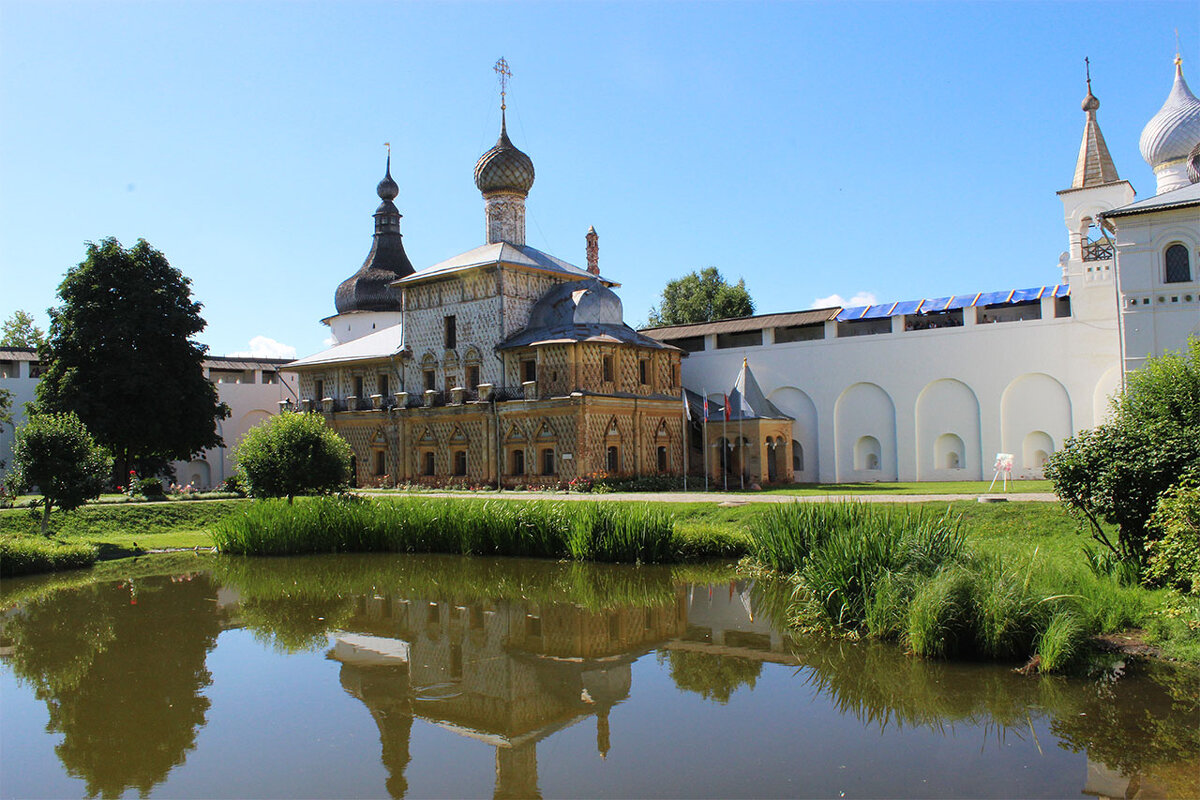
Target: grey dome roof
(1172,133)
(587,302)
(367,289)
(504,168)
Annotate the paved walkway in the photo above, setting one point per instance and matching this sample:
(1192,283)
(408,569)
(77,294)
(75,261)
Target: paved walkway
(721,498)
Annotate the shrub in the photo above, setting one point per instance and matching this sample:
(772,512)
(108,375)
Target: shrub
(293,454)
(150,488)
(26,556)
(57,454)
(234,484)
(1174,549)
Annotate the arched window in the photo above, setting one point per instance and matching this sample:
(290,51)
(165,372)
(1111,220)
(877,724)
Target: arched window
(1179,268)
(797,457)
(380,462)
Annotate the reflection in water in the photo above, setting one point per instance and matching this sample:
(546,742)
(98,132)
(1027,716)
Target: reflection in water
(508,653)
(120,667)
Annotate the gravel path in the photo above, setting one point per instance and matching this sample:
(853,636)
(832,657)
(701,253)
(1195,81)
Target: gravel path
(741,499)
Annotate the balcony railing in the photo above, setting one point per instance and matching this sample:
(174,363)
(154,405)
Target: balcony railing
(1099,250)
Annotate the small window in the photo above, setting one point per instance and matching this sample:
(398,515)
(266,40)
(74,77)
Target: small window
(739,339)
(269,377)
(528,370)
(35,369)
(382,383)
(428,465)
(797,457)
(1062,307)
(460,462)
(674,375)
(548,461)
(319,389)
(643,371)
(800,333)
(451,382)
(358,387)
(1179,270)
(662,459)
(472,376)
(380,462)
(614,459)
(430,377)
(450,332)
(608,369)
(690,344)
(516,462)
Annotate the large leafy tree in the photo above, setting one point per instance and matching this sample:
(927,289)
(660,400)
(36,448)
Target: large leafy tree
(1117,472)
(120,354)
(701,297)
(56,454)
(19,331)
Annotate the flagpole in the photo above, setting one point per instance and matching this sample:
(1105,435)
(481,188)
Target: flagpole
(704,439)
(687,414)
(725,439)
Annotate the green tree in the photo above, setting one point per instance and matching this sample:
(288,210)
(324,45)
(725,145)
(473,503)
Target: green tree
(1116,472)
(56,453)
(293,454)
(120,354)
(701,297)
(19,331)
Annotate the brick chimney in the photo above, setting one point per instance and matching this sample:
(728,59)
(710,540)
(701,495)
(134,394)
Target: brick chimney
(593,251)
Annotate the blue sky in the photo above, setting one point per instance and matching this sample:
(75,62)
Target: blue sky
(814,149)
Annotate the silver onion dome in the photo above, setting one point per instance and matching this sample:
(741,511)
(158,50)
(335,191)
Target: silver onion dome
(504,168)
(1171,134)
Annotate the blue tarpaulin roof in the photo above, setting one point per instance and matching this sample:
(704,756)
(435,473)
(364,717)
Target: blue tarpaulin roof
(936,304)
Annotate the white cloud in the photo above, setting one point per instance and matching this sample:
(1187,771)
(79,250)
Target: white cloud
(859,299)
(265,347)
(329,341)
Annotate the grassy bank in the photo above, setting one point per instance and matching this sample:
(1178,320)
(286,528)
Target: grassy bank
(936,584)
(610,532)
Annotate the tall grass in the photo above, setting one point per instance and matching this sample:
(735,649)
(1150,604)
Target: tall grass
(27,555)
(907,576)
(616,532)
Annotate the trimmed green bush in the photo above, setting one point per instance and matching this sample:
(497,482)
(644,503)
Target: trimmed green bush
(57,454)
(293,454)
(1175,541)
(20,555)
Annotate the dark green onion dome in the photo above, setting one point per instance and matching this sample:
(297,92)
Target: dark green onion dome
(504,168)
(367,289)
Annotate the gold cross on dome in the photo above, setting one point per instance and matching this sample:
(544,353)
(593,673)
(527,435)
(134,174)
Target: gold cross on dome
(503,73)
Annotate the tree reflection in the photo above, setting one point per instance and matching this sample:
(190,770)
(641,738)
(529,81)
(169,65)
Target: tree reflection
(712,676)
(120,667)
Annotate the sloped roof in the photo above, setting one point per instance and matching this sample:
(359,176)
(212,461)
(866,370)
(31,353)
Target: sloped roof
(378,345)
(585,311)
(1179,198)
(747,401)
(522,256)
(739,324)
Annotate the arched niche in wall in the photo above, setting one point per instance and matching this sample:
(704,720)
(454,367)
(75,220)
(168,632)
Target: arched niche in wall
(247,421)
(1036,448)
(800,407)
(1033,402)
(948,407)
(949,453)
(867,454)
(197,474)
(864,410)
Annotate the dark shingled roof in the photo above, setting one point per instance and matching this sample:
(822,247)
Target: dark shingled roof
(367,289)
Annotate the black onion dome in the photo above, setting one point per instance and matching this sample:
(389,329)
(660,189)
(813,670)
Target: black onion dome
(367,289)
(504,168)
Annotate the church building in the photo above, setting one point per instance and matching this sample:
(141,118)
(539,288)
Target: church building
(502,365)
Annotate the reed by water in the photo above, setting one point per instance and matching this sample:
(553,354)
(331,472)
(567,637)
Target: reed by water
(897,574)
(611,532)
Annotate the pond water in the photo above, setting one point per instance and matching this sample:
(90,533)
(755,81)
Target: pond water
(379,676)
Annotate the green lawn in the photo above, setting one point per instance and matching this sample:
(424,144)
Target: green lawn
(912,487)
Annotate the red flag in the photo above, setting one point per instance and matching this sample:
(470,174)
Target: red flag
(706,408)
(726,398)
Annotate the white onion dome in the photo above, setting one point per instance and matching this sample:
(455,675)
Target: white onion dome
(1171,134)
(504,168)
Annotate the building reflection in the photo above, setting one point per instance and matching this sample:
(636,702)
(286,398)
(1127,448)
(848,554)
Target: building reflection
(507,673)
